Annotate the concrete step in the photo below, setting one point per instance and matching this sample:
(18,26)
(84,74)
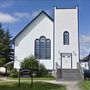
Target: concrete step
(69,74)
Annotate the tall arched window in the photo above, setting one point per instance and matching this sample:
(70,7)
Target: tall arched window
(48,48)
(43,48)
(66,38)
(37,48)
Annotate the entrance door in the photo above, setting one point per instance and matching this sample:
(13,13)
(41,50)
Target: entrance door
(66,60)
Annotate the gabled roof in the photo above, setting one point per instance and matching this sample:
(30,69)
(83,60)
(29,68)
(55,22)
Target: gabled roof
(86,59)
(42,12)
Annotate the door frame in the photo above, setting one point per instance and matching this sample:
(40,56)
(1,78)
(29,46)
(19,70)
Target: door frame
(61,59)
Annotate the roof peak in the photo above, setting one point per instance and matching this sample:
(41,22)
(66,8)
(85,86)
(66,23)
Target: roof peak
(45,14)
(31,23)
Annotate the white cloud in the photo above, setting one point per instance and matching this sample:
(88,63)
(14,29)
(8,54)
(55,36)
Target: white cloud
(28,15)
(12,18)
(84,45)
(17,16)
(7,18)
(85,39)
(22,15)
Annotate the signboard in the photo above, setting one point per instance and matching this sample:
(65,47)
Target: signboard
(26,73)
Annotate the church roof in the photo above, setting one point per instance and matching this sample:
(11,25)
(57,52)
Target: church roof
(42,12)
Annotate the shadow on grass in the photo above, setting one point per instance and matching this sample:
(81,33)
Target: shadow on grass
(27,86)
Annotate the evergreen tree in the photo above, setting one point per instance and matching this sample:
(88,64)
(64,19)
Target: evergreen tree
(6,51)
(2,35)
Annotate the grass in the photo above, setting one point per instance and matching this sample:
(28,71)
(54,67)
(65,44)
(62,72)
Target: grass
(27,86)
(40,78)
(85,85)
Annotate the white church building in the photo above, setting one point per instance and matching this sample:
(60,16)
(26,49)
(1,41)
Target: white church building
(53,41)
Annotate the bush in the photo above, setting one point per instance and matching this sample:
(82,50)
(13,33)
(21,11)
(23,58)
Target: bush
(42,71)
(14,73)
(31,63)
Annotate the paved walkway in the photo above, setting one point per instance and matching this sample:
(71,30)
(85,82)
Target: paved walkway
(70,85)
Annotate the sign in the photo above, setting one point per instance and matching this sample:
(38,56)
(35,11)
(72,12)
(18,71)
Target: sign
(26,73)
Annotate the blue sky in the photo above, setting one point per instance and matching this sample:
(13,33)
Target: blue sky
(16,14)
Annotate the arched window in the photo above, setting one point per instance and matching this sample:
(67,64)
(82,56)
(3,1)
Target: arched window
(43,48)
(37,48)
(66,38)
(48,48)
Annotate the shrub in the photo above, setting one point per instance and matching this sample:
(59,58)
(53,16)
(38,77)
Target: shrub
(31,63)
(42,71)
(14,73)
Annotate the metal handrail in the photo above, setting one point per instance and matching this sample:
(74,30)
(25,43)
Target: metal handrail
(81,70)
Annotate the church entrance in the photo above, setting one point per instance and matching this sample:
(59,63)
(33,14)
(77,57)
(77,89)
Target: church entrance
(66,60)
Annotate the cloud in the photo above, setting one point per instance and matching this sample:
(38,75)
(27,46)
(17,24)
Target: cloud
(7,18)
(5,4)
(18,16)
(22,15)
(84,45)
(29,15)
(85,39)
(14,17)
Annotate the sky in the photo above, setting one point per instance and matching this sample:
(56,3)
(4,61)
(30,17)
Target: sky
(16,14)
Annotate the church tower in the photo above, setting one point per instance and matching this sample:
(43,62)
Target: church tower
(66,42)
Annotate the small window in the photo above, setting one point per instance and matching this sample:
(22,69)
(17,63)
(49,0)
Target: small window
(66,38)
(66,55)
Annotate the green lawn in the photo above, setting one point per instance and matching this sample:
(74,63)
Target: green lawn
(40,78)
(85,85)
(27,86)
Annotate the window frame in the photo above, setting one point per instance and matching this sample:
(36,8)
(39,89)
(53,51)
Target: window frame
(49,48)
(66,38)
(41,47)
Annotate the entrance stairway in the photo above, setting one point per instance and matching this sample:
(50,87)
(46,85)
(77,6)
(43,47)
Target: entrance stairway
(68,74)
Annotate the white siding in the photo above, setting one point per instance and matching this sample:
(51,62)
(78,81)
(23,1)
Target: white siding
(24,43)
(66,20)
(84,65)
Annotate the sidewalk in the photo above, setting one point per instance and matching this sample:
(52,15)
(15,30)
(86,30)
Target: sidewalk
(70,85)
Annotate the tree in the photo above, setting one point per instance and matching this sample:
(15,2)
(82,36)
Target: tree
(7,47)
(31,63)
(6,51)
(2,35)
